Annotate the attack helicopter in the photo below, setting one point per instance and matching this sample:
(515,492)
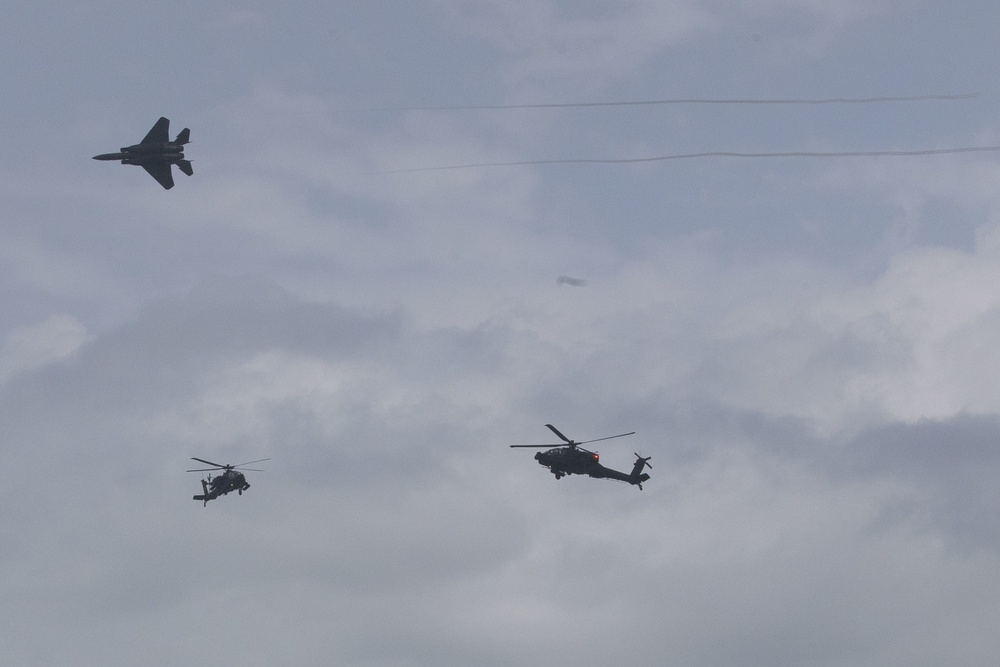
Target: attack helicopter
(571,459)
(231,479)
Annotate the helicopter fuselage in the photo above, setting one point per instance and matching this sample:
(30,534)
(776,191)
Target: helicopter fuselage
(578,461)
(571,461)
(220,485)
(230,480)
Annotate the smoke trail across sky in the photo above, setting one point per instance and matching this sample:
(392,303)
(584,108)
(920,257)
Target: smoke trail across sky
(707,154)
(737,101)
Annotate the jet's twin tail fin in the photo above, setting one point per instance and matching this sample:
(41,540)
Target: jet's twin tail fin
(185,166)
(184,137)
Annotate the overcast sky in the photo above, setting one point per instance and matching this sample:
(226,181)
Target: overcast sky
(806,347)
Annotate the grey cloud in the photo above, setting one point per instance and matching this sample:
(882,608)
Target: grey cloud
(953,464)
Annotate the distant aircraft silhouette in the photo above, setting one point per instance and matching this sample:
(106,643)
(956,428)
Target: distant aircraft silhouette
(570,280)
(155,153)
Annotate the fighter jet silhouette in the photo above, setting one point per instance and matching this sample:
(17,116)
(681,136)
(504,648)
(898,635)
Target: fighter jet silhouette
(155,153)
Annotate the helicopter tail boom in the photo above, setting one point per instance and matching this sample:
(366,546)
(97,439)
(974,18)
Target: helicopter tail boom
(206,497)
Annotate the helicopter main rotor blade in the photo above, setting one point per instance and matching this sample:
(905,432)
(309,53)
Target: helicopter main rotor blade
(195,458)
(205,469)
(250,469)
(620,435)
(248,463)
(555,444)
(556,431)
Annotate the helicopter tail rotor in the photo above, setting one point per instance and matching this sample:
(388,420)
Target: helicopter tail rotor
(638,476)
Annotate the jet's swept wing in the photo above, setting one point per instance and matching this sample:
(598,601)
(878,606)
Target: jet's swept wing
(160,134)
(161,172)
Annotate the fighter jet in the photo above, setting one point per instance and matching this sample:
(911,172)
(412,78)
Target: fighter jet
(155,153)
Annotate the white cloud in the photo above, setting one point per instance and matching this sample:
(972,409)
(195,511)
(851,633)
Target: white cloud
(391,491)
(31,347)
(552,41)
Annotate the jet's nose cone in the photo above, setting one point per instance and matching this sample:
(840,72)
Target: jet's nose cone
(105,156)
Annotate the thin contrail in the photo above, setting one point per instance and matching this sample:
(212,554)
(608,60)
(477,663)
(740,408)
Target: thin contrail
(695,100)
(707,154)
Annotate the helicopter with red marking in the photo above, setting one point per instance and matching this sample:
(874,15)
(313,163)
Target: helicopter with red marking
(569,458)
(231,479)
